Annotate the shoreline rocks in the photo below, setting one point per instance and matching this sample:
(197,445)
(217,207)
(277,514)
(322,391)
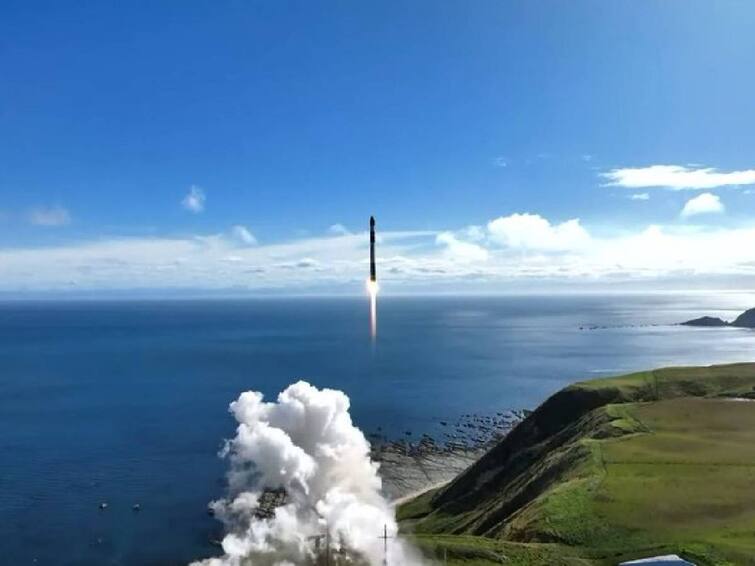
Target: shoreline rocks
(409,466)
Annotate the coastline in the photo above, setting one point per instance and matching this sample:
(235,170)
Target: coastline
(411,468)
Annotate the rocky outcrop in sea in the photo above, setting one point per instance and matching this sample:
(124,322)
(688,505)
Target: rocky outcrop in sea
(744,320)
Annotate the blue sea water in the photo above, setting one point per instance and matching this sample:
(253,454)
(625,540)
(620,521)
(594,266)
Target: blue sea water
(126,402)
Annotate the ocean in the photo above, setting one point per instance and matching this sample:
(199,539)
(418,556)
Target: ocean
(126,402)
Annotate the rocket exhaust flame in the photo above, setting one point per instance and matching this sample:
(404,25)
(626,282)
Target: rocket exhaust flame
(372,290)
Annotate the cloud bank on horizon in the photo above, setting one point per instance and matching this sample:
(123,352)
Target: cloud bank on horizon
(506,252)
(501,253)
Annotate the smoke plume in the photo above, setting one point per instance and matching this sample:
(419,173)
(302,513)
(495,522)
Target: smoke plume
(306,445)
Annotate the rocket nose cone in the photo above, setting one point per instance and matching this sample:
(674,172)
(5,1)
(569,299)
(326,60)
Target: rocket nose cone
(372,220)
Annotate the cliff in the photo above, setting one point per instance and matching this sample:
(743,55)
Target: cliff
(616,468)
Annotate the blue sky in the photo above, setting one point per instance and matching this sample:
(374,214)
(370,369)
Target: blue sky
(283,119)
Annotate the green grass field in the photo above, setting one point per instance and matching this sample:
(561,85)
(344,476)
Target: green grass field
(666,464)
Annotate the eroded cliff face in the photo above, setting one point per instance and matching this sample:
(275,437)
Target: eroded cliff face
(537,453)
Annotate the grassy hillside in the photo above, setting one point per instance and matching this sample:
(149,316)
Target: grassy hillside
(609,469)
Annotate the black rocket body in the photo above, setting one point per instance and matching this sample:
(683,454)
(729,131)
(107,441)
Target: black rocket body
(373,276)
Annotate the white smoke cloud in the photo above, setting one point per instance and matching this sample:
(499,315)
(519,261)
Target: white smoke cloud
(306,444)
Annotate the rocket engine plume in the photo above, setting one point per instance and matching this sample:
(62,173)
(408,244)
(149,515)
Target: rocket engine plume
(372,290)
(306,445)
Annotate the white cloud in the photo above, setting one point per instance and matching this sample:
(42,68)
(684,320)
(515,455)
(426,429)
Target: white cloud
(208,262)
(243,235)
(474,233)
(307,262)
(531,231)
(640,196)
(705,203)
(339,230)
(194,200)
(233,259)
(459,250)
(51,216)
(677,177)
(500,161)
(514,250)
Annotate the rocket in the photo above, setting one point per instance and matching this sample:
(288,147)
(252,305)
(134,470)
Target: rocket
(373,276)
(372,286)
